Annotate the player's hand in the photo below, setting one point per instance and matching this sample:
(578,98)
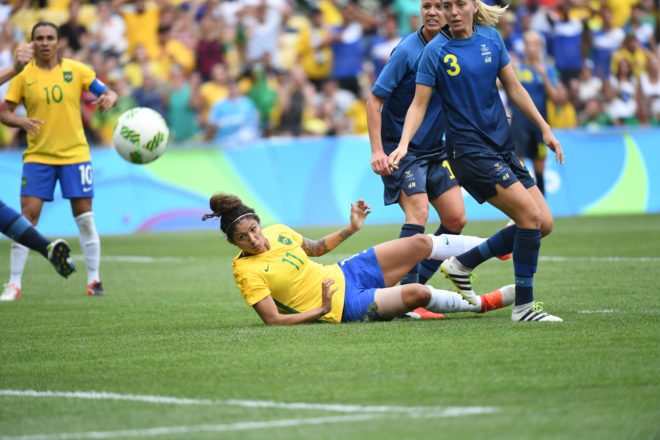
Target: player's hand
(106,101)
(31,125)
(551,141)
(326,295)
(23,55)
(359,212)
(540,68)
(379,163)
(396,156)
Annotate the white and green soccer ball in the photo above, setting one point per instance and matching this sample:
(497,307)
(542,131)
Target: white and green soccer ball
(141,135)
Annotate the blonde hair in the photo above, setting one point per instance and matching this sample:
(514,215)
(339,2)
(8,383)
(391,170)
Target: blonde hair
(487,15)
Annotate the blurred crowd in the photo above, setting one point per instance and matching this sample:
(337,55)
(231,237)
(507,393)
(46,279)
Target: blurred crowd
(230,71)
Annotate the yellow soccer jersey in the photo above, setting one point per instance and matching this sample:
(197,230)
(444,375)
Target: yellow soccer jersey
(287,274)
(54,97)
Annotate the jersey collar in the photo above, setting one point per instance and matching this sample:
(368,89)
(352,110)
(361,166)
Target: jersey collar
(447,33)
(421,36)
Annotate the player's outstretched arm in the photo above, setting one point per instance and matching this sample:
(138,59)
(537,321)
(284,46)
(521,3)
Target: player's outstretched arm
(106,100)
(374,124)
(315,248)
(414,118)
(521,99)
(267,310)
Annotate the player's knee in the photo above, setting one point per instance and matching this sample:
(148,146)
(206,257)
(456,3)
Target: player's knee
(455,223)
(424,243)
(32,215)
(547,224)
(530,218)
(416,295)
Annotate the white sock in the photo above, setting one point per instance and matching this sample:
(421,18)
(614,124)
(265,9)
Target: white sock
(90,244)
(448,245)
(444,301)
(17,258)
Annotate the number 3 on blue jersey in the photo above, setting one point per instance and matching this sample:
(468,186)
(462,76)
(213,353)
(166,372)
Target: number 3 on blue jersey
(454,69)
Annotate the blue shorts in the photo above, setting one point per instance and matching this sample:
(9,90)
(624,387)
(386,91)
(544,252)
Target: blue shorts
(76,180)
(363,276)
(479,175)
(426,174)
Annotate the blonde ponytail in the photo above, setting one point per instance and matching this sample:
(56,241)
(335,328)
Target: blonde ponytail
(487,15)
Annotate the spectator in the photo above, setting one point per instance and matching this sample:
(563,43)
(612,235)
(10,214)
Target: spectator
(109,30)
(314,51)
(347,50)
(567,43)
(621,95)
(181,115)
(384,45)
(604,43)
(332,104)
(561,112)
(209,49)
(405,10)
(648,87)
(593,115)
(296,102)
(263,27)
(148,94)
(104,124)
(233,121)
(263,93)
(72,32)
(633,52)
(589,86)
(642,30)
(142,22)
(214,90)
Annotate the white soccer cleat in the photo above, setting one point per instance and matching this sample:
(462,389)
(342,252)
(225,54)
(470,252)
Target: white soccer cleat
(534,314)
(11,292)
(460,278)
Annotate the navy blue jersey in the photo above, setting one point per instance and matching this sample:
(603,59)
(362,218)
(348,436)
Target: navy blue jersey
(396,85)
(532,81)
(463,72)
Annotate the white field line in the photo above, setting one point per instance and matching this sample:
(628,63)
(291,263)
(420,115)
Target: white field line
(558,259)
(139,259)
(180,430)
(587,312)
(367,413)
(446,411)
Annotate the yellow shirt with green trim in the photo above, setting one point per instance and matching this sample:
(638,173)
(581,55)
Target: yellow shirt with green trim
(287,274)
(53,96)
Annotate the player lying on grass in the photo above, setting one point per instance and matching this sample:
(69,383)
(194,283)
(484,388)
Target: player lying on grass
(277,278)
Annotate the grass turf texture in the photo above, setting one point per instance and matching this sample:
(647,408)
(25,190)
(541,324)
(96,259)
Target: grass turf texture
(182,329)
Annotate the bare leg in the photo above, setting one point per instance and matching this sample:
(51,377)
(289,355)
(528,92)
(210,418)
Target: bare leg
(397,257)
(547,221)
(451,209)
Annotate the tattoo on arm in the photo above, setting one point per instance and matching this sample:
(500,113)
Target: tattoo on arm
(316,248)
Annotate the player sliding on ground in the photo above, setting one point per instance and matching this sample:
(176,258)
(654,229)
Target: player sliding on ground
(277,278)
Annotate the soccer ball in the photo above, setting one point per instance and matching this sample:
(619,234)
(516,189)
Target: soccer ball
(141,135)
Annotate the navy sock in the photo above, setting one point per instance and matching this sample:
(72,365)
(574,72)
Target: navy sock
(427,268)
(499,244)
(19,229)
(540,182)
(525,258)
(408,230)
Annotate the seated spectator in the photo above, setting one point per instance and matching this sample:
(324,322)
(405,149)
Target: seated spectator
(589,86)
(622,105)
(331,106)
(561,112)
(233,121)
(214,90)
(593,115)
(648,87)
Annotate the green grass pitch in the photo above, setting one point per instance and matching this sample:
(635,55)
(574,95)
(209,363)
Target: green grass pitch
(176,326)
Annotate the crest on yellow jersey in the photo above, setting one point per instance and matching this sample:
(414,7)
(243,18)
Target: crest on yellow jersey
(68,76)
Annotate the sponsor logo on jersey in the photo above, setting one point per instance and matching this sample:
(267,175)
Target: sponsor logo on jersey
(485,52)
